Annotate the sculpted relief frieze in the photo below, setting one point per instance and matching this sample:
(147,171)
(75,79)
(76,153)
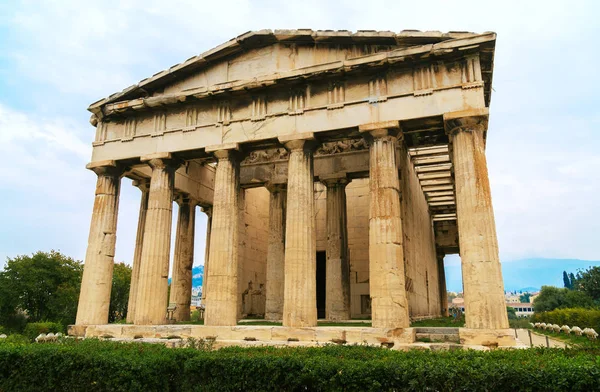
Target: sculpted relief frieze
(340,146)
(266,156)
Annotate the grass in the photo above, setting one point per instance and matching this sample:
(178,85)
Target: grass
(520,323)
(574,340)
(195,322)
(319,323)
(261,322)
(439,322)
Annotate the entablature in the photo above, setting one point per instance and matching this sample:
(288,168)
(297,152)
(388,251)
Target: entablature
(420,60)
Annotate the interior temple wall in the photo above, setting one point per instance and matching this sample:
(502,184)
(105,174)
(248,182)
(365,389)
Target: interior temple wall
(419,246)
(420,260)
(253,237)
(357,210)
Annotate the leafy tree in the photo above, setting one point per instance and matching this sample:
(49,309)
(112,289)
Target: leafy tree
(525,298)
(512,313)
(551,298)
(568,283)
(119,296)
(43,286)
(589,282)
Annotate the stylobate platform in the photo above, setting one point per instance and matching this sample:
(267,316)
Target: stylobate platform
(277,335)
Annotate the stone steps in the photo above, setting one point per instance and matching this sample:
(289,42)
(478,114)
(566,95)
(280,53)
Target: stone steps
(437,334)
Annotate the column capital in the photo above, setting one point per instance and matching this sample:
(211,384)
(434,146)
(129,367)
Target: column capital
(143,184)
(275,188)
(161,160)
(224,151)
(466,120)
(208,210)
(298,141)
(184,198)
(334,180)
(106,168)
(381,129)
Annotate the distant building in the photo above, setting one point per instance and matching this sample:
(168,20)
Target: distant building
(522,309)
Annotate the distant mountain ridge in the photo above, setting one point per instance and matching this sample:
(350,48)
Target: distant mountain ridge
(526,274)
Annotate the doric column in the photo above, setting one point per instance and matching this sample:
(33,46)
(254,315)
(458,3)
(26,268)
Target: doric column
(442,284)
(386,254)
(96,283)
(144,186)
(183,260)
(482,275)
(337,286)
(208,212)
(300,286)
(222,291)
(151,303)
(275,253)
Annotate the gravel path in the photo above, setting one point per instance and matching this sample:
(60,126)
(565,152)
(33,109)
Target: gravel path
(538,340)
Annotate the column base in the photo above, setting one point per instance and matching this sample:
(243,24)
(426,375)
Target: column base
(491,338)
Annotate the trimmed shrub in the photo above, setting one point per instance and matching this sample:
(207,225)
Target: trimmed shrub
(32,330)
(583,318)
(16,339)
(108,366)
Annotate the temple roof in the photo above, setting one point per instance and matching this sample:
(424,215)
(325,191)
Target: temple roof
(257,39)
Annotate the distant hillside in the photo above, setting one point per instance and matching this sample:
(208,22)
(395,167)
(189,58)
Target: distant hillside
(526,274)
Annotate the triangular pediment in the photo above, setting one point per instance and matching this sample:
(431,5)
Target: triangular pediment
(266,55)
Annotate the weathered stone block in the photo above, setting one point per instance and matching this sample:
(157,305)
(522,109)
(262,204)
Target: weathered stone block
(487,337)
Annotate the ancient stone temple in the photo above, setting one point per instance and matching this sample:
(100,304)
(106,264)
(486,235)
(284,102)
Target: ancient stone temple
(336,169)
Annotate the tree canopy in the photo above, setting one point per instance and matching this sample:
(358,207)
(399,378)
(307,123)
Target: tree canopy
(588,281)
(551,298)
(525,298)
(119,296)
(45,287)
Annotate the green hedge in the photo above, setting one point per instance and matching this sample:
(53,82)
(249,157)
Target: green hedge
(106,366)
(582,318)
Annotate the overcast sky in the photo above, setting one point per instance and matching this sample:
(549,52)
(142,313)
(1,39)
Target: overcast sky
(57,57)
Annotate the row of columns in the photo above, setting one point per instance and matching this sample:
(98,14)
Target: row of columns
(291,262)
(148,296)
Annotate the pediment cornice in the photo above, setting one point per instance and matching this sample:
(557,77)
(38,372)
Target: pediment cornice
(448,45)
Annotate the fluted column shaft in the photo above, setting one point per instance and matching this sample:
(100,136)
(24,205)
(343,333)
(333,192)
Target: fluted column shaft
(482,274)
(144,186)
(208,212)
(151,303)
(276,254)
(337,285)
(96,283)
(442,285)
(386,254)
(300,287)
(183,260)
(222,291)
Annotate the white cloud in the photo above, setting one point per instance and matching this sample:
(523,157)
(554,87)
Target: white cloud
(542,147)
(48,193)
